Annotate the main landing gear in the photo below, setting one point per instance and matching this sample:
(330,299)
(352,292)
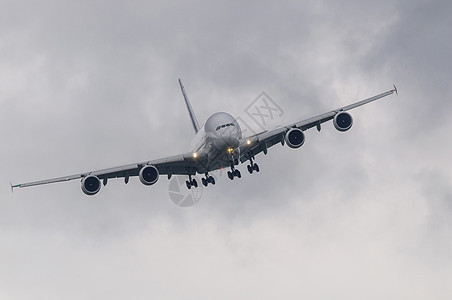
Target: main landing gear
(191,182)
(252,166)
(207,180)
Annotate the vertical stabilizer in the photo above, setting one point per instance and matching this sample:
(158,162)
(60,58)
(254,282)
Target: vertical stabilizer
(190,109)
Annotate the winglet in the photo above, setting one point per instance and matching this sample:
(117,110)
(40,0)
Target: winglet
(14,186)
(395,90)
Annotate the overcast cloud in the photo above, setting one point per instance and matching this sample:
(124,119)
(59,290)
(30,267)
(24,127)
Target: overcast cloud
(364,214)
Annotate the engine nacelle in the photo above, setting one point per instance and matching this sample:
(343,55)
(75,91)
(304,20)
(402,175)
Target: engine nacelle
(90,185)
(343,121)
(294,138)
(149,175)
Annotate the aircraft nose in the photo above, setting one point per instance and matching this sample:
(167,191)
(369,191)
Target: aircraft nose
(227,141)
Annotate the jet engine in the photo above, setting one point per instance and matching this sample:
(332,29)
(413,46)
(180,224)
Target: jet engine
(90,185)
(294,138)
(343,121)
(149,175)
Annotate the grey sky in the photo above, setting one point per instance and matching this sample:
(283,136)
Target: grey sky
(91,84)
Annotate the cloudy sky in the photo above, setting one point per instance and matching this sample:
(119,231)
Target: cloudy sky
(87,85)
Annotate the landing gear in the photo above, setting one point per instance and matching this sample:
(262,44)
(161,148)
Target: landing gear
(207,180)
(234,172)
(252,166)
(191,182)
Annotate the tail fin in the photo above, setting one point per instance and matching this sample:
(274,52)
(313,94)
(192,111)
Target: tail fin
(190,109)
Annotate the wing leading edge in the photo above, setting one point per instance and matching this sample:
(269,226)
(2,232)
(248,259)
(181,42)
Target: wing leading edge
(262,141)
(184,164)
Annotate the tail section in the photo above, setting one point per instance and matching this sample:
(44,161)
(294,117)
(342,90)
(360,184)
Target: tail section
(194,121)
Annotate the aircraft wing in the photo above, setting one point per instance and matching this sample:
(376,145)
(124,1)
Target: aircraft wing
(264,140)
(184,164)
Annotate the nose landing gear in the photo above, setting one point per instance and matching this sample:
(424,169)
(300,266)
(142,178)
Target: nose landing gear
(234,172)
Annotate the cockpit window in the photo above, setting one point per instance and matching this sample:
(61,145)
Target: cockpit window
(225,125)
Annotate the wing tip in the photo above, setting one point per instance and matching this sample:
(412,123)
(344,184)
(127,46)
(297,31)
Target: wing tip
(395,90)
(14,186)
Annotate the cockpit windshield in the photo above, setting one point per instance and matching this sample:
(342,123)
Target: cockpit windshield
(225,125)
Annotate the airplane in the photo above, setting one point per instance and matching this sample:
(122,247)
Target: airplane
(217,144)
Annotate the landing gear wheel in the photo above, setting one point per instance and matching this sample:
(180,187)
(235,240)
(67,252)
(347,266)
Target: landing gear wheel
(188,184)
(211,180)
(204,182)
(230,175)
(250,170)
(256,167)
(194,183)
(237,173)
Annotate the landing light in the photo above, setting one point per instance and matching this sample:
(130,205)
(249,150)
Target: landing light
(248,142)
(230,150)
(195,155)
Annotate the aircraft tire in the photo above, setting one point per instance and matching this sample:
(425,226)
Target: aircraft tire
(256,167)
(250,170)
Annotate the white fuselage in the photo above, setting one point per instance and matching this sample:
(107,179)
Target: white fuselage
(219,138)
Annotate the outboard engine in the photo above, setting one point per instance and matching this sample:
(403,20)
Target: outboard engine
(343,121)
(294,138)
(149,175)
(90,185)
